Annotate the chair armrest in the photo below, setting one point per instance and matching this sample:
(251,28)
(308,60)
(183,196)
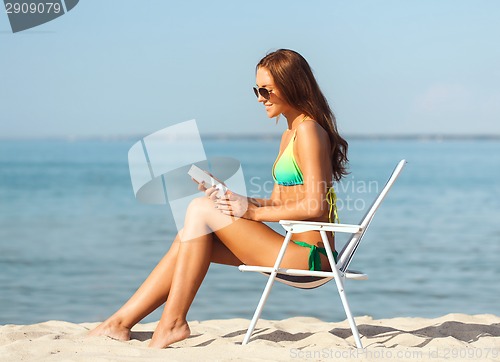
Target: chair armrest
(303,226)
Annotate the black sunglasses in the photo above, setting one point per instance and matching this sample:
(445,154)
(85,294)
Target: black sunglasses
(265,93)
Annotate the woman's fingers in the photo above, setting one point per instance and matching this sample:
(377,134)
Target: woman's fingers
(225,206)
(222,205)
(232,196)
(201,185)
(211,192)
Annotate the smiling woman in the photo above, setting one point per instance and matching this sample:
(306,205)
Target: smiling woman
(230,229)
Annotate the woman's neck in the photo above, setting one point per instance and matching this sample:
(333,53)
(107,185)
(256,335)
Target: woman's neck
(294,118)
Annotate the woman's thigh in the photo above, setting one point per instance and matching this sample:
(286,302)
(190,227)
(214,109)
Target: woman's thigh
(222,255)
(251,242)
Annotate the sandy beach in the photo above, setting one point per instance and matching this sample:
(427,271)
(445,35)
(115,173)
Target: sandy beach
(450,337)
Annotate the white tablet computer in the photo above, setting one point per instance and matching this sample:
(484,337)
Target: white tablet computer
(201,176)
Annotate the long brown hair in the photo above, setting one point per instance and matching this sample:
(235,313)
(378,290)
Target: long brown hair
(294,78)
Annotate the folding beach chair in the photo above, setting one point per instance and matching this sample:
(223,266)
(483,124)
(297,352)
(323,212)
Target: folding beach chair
(307,279)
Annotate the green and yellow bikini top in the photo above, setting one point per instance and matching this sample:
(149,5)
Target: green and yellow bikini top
(286,172)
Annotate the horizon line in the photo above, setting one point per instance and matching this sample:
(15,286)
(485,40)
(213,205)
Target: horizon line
(264,136)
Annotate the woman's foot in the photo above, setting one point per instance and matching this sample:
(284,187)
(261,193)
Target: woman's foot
(168,333)
(111,329)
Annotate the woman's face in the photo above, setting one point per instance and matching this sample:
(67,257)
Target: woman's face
(274,105)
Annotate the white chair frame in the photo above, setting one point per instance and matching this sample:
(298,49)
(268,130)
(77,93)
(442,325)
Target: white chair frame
(339,269)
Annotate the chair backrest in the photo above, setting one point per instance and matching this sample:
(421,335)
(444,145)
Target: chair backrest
(349,249)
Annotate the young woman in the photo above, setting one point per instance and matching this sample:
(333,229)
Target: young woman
(230,230)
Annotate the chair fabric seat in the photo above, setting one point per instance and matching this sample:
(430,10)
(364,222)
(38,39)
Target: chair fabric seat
(301,281)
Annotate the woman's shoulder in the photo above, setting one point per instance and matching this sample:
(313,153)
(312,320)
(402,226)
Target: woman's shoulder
(311,130)
(311,142)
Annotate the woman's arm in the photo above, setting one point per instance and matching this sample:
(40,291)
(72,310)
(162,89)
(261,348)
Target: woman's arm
(273,200)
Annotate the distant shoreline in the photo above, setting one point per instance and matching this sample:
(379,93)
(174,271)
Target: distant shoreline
(272,137)
(417,137)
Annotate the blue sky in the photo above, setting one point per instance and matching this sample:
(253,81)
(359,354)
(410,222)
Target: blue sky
(120,68)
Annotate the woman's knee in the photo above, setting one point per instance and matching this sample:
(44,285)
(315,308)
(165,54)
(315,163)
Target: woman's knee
(200,207)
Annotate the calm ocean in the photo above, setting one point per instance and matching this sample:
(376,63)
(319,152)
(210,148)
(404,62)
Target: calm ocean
(74,242)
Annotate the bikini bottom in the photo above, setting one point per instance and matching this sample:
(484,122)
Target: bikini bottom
(314,257)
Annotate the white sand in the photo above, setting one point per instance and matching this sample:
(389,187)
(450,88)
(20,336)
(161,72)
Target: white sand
(454,337)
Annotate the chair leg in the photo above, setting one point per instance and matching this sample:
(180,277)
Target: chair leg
(340,288)
(347,309)
(267,289)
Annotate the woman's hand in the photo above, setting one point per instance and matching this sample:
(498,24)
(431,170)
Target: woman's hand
(235,205)
(210,192)
(231,203)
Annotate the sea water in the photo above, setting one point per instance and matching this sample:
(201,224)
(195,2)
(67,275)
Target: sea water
(75,243)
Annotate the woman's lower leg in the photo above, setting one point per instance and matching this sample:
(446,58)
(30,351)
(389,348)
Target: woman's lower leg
(193,261)
(150,295)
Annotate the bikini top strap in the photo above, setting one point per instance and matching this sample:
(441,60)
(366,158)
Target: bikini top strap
(295,131)
(332,201)
(303,119)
